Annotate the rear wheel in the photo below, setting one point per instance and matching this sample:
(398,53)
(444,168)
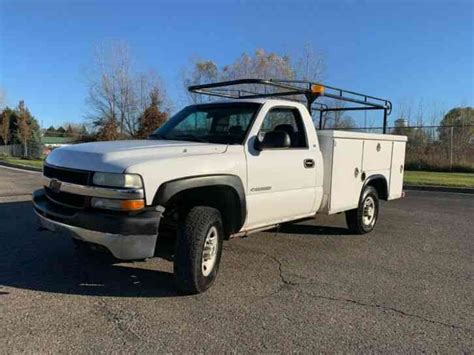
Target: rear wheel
(362,219)
(198,250)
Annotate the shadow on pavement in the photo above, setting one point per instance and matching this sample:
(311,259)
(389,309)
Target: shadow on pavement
(48,262)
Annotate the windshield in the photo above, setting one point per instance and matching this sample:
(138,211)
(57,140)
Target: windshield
(212,123)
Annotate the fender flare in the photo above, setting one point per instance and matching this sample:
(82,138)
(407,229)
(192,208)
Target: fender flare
(168,189)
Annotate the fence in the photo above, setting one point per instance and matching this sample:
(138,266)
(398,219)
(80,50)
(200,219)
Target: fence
(435,148)
(34,150)
(14,150)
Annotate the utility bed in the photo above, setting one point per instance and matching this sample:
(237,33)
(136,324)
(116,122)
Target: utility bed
(350,157)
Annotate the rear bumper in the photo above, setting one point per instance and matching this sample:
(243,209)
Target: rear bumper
(127,237)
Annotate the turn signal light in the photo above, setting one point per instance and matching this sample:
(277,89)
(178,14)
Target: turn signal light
(117,205)
(132,205)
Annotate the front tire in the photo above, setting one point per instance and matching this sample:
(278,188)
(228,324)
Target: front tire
(198,250)
(362,219)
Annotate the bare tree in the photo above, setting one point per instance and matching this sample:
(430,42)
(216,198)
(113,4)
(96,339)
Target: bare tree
(337,119)
(200,72)
(310,65)
(260,65)
(116,92)
(3,98)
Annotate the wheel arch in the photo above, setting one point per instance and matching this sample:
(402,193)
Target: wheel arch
(379,182)
(224,192)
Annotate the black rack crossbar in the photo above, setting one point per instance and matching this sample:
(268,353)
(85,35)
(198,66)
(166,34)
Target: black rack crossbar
(291,89)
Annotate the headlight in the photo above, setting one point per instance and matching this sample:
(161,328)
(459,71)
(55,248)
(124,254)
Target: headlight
(118,205)
(117,180)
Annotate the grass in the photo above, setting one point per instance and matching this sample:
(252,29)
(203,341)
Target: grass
(439,179)
(32,163)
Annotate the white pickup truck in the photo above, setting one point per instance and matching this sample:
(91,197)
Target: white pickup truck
(218,170)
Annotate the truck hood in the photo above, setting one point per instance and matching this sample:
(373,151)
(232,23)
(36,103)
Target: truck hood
(117,156)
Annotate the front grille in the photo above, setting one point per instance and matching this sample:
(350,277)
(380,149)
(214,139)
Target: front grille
(80,177)
(66,198)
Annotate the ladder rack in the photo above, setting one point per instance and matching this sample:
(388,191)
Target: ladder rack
(293,90)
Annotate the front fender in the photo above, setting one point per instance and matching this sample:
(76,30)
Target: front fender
(171,188)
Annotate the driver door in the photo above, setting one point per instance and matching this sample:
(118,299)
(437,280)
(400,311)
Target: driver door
(281,181)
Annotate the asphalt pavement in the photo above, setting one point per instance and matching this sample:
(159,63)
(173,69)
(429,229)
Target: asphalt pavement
(305,287)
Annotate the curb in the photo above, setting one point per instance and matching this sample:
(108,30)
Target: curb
(18,166)
(462,190)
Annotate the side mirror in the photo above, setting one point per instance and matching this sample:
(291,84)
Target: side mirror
(273,139)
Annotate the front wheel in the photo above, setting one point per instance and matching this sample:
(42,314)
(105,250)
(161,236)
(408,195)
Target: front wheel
(198,250)
(362,219)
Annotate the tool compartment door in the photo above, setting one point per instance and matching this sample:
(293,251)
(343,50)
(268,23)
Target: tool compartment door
(377,155)
(346,172)
(396,170)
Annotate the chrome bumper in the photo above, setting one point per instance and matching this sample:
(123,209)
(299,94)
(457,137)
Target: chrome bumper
(125,247)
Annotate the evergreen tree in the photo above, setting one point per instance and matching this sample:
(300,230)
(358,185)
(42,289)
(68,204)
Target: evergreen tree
(152,118)
(108,130)
(61,131)
(69,131)
(50,132)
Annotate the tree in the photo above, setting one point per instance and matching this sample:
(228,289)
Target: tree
(152,117)
(462,120)
(108,131)
(5,119)
(19,126)
(51,131)
(201,72)
(83,132)
(61,131)
(310,65)
(35,129)
(116,91)
(337,119)
(73,129)
(23,128)
(260,65)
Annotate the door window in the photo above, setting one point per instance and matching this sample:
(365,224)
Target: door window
(287,120)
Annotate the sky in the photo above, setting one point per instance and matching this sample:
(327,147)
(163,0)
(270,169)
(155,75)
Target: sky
(406,51)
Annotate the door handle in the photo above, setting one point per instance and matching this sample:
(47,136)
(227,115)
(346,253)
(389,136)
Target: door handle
(308,163)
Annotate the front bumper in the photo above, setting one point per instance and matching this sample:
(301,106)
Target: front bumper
(126,236)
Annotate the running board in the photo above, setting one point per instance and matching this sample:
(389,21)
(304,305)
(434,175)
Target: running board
(250,231)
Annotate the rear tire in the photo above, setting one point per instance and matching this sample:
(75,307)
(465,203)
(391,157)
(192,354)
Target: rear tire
(362,219)
(198,250)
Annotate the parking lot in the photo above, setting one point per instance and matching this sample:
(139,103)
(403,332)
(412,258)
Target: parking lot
(310,286)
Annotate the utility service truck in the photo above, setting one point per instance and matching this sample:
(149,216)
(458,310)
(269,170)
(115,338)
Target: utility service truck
(221,169)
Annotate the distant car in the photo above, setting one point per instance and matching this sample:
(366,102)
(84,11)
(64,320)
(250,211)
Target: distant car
(219,170)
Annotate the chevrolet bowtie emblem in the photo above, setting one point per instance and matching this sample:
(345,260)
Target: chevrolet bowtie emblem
(55,185)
